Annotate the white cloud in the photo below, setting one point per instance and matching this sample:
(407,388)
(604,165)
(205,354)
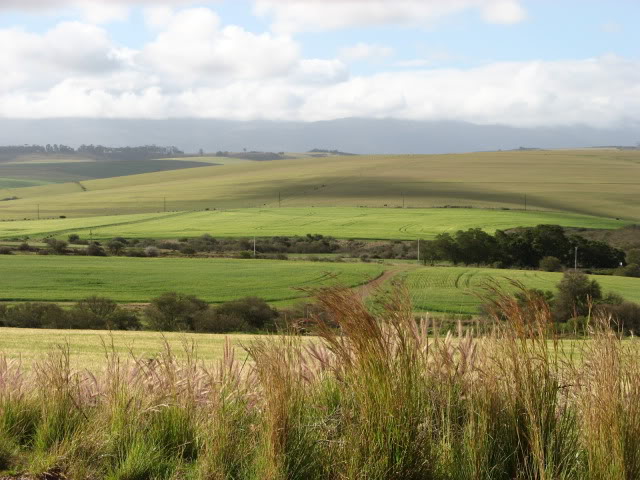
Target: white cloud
(319,15)
(158,17)
(93,11)
(195,49)
(197,67)
(363,51)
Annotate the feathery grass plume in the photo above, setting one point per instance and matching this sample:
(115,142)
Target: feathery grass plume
(523,394)
(609,400)
(229,428)
(291,445)
(389,397)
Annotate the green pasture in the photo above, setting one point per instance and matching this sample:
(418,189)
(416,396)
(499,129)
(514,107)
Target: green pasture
(602,183)
(454,289)
(340,222)
(60,279)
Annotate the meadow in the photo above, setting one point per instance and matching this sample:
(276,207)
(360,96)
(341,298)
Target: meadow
(133,280)
(592,182)
(455,289)
(339,222)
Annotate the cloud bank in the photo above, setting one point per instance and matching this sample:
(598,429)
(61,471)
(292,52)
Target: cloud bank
(195,66)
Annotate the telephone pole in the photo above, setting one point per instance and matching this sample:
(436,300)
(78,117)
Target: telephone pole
(254,246)
(418,251)
(575,260)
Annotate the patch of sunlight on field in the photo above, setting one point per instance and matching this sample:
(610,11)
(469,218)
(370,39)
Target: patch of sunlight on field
(340,222)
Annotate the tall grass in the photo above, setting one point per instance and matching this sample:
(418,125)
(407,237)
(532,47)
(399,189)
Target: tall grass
(374,395)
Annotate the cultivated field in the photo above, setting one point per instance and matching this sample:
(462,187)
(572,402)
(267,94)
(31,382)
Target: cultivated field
(339,222)
(451,289)
(60,279)
(593,182)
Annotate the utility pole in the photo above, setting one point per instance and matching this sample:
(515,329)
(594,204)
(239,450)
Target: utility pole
(418,251)
(254,246)
(575,260)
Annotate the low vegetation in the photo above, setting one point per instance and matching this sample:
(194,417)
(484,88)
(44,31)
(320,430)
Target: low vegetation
(372,397)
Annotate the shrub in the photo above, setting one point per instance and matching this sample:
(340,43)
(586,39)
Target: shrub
(35,315)
(92,313)
(187,250)
(550,264)
(59,247)
(6,251)
(73,238)
(94,249)
(626,315)
(115,246)
(174,311)
(134,252)
(631,270)
(210,321)
(575,295)
(24,247)
(633,256)
(253,310)
(151,251)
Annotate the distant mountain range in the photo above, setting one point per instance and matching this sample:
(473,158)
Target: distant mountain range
(349,135)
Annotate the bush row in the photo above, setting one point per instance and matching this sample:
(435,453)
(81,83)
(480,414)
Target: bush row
(168,312)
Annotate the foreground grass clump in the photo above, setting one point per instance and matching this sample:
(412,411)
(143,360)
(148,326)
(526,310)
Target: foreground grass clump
(373,397)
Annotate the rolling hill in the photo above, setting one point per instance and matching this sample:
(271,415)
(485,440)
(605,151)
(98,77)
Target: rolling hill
(603,183)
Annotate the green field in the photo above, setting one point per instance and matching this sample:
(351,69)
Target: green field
(60,279)
(87,347)
(451,289)
(345,222)
(603,183)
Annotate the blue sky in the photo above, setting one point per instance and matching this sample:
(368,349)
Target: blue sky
(485,61)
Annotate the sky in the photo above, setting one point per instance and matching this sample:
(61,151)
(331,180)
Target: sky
(523,63)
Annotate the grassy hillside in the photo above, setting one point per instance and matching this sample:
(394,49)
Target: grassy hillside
(56,278)
(340,222)
(593,182)
(451,289)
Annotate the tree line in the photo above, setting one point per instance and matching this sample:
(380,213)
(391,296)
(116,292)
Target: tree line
(168,312)
(522,248)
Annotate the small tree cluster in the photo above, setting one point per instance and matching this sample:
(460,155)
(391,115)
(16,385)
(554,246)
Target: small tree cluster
(524,248)
(179,312)
(95,313)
